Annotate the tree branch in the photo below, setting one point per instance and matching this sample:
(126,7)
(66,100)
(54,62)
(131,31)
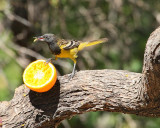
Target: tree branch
(91,90)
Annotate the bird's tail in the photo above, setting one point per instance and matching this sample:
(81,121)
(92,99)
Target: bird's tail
(90,43)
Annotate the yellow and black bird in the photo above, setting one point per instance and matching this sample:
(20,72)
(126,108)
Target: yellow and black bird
(66,48)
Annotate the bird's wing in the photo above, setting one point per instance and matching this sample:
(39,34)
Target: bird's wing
(68,44)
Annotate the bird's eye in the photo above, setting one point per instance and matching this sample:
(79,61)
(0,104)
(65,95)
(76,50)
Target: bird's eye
(45,37)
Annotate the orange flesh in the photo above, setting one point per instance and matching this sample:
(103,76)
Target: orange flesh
(40,76)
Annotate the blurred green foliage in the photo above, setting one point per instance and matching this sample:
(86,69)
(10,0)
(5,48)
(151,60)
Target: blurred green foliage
(127,24)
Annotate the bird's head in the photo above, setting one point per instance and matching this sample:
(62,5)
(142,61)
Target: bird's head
(46,38)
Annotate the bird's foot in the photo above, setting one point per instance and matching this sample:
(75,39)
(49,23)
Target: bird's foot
(49,60)
(71,75)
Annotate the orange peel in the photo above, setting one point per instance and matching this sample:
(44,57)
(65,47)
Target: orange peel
(40,76)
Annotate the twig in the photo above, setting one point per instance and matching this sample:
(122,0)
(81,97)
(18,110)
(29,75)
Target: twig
(12,17)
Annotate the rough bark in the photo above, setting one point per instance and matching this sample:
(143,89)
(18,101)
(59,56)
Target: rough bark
(92,90)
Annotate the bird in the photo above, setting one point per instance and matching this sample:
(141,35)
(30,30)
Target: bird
(62,48)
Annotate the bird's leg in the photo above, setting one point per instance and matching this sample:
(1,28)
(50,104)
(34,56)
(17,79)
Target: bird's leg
(50,59)
(73,72)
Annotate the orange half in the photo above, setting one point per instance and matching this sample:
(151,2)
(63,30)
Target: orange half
(40,76)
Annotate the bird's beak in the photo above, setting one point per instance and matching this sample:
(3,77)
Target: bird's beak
(39,38)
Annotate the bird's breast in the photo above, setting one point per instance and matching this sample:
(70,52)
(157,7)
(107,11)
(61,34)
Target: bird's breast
(72,53)
(55,49)
(64,54)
